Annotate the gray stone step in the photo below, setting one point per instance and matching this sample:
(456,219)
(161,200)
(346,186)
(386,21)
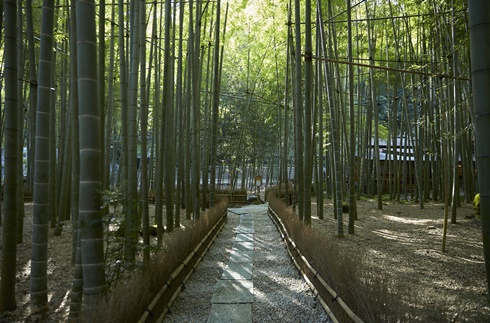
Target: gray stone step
(233,293)
(238,270)
(242,256)
(236,313)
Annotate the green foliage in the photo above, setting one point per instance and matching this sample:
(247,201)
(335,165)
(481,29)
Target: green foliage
(476,205)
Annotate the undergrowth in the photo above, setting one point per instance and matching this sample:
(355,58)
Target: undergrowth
(368,292)
(128,300)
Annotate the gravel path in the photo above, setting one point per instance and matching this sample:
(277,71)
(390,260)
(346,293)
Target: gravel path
(279,292)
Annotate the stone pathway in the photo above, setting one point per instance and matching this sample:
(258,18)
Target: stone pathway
(246,277)
(233,295)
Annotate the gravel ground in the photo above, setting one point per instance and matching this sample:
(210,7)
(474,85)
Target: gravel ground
(280,294)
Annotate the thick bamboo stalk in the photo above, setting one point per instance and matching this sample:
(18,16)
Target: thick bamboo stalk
(298,113)
(335,150)
(480,52)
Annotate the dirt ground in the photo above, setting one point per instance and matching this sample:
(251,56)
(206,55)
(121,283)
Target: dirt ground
(405,243)
(401,240)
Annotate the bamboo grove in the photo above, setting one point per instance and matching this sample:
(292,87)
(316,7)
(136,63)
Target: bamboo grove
(177,99)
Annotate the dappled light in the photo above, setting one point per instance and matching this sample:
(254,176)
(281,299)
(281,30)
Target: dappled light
(396,236)
(408,220)
(402,243)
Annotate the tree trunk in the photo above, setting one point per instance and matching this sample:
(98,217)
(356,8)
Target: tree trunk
(32,93)
(20,127)
(352,139)
(457,153)
(108,140)
(158,120)
(144,137)
(180,106)
(9,251)
(168,107)
(308,162)
(39,283)
(320,170)
(215,106)
(91,224)
(334,138)
(479,17)
(102,83)
(52,205)
(298,108)
(375,108)
(131,216)
(123,89)
(76,255)
(195,66)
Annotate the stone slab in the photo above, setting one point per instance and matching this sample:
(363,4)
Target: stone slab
(239,211)
(243,245)
(245,228)
(247,222)
(228,313)
(253,209)
(238,270)
(241,256)
(229,291)
(244,237)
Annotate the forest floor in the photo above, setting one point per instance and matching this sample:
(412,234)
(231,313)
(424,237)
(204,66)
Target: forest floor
(402,241)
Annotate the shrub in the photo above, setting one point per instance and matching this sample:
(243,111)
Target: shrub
(369,293)
(287,196)
(127,301)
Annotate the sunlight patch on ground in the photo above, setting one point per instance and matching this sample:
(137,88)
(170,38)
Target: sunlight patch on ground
(396,236)
(435,254)
(24,297)
(407,221)
(63,308)
(472,260)
(378,254)
(448,284)
(26,270)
